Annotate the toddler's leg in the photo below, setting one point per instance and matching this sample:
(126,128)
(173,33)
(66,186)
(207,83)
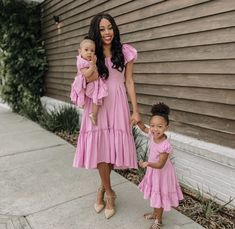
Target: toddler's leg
(158,221)
(159,213)
(93,115)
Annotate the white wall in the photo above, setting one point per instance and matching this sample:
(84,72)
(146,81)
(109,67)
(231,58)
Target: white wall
(208,166)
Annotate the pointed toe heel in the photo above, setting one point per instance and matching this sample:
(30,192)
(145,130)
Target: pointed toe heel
(109,212)
(100,198)
(98,207)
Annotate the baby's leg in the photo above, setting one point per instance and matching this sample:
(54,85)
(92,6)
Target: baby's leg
(95,109)
(93,115)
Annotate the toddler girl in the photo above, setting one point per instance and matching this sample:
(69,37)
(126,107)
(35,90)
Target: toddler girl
(86,67)
(159,184)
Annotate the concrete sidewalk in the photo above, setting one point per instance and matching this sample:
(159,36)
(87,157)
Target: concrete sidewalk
(39,188)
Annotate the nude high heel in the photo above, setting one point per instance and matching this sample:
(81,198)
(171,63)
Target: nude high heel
(100,195)
(111,200)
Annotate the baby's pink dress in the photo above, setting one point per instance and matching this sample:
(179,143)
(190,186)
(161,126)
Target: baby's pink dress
(95,90)
(111,140)
(161,185)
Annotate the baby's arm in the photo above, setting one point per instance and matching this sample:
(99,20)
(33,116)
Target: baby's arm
(155,165)
(143,127)
(91,73)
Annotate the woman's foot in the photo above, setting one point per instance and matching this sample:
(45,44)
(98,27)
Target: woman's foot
(150,215)
(93,119)
(156,225)
(99,205)
(110,205)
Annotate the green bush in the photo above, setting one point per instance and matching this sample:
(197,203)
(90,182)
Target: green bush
(62,119)
(22,56)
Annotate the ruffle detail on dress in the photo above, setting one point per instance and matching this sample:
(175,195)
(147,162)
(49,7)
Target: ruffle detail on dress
(97,90)
(105,145)
(77,94)
(129,53)
(161,200)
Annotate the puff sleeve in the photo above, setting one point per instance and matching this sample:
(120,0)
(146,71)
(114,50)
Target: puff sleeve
(129,52)
(166,147)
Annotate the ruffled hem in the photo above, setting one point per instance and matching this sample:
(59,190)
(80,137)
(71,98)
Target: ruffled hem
(77,94)
(107,145)
(161,200)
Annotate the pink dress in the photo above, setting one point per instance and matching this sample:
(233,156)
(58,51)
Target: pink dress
(95,90)
(111,141)
(161,185)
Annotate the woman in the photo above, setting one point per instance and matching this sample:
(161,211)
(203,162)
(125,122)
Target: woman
(110,143)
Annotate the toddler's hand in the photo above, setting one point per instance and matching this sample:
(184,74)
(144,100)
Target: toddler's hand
(143,164)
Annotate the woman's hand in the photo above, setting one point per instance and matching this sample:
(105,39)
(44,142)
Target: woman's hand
(135,118)
(93,77)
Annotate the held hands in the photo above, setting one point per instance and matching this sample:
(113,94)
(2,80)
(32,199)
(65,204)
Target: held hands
(143,164)
(135,118)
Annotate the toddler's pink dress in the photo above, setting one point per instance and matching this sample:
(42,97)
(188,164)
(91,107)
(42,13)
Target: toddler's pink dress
(111,140)
(95,90)
(161,185)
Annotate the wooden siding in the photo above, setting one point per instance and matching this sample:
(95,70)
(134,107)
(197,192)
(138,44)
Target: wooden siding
(186,56)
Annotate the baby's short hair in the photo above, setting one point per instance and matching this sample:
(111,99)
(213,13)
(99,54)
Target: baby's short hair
(86,39)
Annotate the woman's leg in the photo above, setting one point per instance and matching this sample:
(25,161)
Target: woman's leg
(105,171)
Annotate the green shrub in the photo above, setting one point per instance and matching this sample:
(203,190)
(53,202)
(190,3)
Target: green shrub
(62,119)
(142,147)
(23,59)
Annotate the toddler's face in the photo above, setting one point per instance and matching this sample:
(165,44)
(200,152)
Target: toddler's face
(87,50)
(158,126)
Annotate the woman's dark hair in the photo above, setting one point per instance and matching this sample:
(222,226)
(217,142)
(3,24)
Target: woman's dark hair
(161,109)
(116,47)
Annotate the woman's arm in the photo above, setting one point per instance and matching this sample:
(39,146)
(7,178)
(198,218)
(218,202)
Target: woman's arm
(130,87)
(156,165)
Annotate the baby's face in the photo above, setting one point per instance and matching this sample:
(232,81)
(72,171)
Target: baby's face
(87,50)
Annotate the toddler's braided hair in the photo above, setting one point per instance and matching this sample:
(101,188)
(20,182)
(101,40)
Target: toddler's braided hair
(161,109)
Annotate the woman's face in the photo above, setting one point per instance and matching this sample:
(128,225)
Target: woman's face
(106,31)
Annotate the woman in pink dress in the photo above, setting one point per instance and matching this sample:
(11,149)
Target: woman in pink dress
(110,143)
(159,184)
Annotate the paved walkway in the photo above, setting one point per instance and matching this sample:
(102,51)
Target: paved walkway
(39,189)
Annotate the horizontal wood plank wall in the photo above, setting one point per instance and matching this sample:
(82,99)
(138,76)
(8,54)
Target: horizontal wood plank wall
(186,57)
